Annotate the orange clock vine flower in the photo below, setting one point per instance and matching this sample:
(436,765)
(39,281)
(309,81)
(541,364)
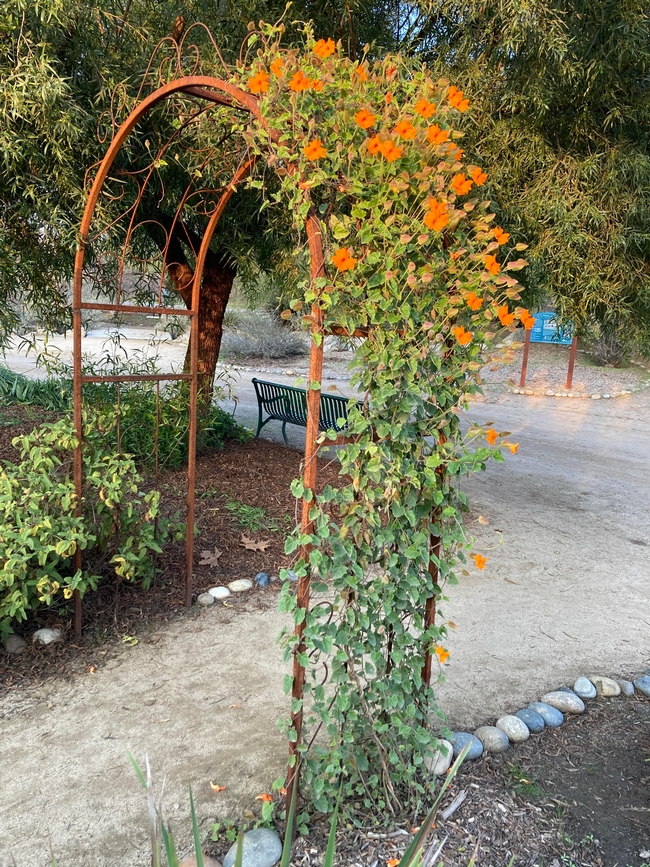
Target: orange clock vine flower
(491,436)
(374,145)
(500,236)
(462,336)
(299,81)
(473,301)
(478,176)
(455,99)
(259,83)
(343,260)
(442,654)
(361,73)
(492,265)
(437,136)
(460,184)
(505,317)
(314,150)
(324,47)
(390,150)
(364,118)
(479,561)
(405,130)
(437,217)
(526,319)
(425,108)
(277,67)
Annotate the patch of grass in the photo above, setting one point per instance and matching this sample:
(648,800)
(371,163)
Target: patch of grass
(251,518)
(523,784)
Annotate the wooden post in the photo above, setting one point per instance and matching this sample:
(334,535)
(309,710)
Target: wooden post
(572,361)
(524,361)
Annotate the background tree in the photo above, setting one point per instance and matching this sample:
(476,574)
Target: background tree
(60,63)
(561,90)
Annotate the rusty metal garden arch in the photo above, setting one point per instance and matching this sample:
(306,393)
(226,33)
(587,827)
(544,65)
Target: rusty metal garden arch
(219,92)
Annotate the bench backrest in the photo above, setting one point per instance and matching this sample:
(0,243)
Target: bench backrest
(288,403)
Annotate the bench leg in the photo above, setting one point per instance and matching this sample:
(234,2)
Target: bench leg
(284,433)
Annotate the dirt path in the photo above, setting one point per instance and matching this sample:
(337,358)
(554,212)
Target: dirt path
(565,593)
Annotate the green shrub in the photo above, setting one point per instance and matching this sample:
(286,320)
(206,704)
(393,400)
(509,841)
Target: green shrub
(119,529)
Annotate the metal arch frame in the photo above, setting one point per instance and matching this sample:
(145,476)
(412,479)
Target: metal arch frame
(221,93)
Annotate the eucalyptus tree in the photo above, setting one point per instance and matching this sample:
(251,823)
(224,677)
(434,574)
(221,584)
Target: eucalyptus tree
(60,63)
(560,119)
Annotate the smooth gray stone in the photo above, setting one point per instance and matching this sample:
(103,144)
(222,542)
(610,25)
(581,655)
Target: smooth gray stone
(605,686)
(584,688)
(205,599)
(46,636)
(643,684)
(493,739)
(514,727)
(15,644)
(262,848)
(627,687)
(566,702)
(439,762)
(459,741)
(551,715)
(532,719)
(563,689)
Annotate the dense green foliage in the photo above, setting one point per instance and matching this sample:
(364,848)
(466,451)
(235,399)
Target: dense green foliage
(60,63)
(149,429)
(120,529)
(413,256)
(561,92)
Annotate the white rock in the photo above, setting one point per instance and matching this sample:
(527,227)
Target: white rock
(14,644)
(550,392)
(494,739)
(205,599)
(584,688)
(607,396)
(46,636)
(440,761)
(529,391)
(240,585)
(566,702)
(595,397)
(219,592)
(515,728)
(605,686)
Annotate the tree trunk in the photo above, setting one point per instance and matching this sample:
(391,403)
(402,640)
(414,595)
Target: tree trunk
(218,277)
(215,292)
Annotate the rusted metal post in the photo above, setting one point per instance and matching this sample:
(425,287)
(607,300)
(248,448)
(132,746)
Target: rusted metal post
(430,610)
(524,361)
(572,361)
(310,480)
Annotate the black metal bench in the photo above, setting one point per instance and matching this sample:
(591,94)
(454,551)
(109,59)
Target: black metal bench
(288,404)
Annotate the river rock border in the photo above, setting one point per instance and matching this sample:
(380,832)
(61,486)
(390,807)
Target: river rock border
(549,712)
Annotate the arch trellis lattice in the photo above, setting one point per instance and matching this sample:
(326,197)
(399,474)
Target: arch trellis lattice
(217,92)
(362,157)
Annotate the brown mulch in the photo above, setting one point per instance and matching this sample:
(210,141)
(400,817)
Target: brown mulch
(577,796)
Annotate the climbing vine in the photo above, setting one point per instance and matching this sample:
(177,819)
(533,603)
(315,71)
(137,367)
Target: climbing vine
(415,263)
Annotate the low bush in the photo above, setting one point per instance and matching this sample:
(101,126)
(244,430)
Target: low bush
(261,335)
(120,527)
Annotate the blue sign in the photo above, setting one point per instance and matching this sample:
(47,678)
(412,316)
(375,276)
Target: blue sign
(547,330)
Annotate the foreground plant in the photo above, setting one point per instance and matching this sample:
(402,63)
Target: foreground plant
(414,263)
(120,527)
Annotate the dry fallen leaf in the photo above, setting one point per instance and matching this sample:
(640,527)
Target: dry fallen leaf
(234,705)
(264,796)
(451,624)
(252,545)
(482,520)
(218,788)
(210,558)
(92,669)
(511,582)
